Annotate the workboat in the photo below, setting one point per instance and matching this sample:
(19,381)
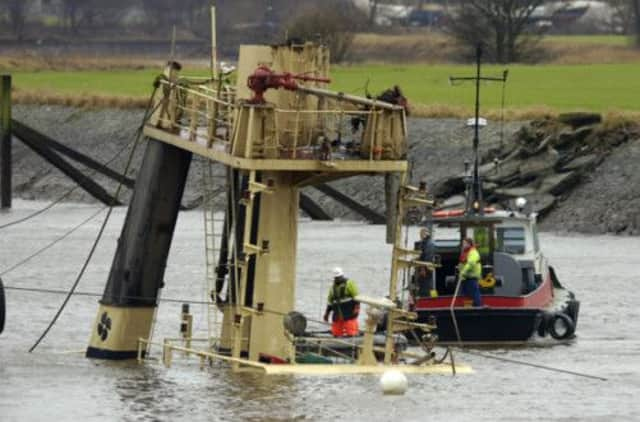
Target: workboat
(521,294)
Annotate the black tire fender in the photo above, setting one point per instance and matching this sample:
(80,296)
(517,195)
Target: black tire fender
(573,309)
(570,327)
(543,323)
(3,307)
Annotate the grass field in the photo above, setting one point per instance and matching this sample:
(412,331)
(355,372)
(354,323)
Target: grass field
(556,87)
(530,89)
(590,39)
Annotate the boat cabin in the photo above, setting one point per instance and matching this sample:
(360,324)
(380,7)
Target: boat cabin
(508,245)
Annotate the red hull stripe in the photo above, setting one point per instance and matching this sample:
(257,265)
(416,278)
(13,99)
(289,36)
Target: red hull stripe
(457,213)
(539,298)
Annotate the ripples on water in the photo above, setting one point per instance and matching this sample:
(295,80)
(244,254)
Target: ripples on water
(56,384)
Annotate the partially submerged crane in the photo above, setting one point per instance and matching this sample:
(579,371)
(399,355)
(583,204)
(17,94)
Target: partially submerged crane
(272,143)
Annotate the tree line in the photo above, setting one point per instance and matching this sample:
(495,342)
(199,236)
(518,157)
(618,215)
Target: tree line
(503,26)
(150,16)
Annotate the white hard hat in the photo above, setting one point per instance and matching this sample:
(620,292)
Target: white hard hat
(337,272)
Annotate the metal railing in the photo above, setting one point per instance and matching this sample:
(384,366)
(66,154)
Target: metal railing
(331,129)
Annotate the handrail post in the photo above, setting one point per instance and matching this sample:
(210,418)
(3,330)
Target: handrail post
(5,140)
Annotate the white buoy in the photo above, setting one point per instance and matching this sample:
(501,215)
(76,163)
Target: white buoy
(394,382)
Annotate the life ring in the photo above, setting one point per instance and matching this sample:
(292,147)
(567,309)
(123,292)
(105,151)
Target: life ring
(2,307)
(457,213)
(561,326)
(488,281)
(447,213)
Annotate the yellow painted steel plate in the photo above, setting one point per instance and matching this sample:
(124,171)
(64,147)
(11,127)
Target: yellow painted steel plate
(347,369)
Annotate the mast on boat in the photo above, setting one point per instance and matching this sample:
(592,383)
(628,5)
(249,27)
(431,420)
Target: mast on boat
(474,201)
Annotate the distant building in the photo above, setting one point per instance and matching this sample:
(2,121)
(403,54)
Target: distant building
(389,13)
(580,16)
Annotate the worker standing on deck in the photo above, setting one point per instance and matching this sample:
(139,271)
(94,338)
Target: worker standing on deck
(341,302)
(471,271)
(425,278)
(427,247)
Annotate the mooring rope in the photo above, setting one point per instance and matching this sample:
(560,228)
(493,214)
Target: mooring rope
(533,365)
(453,312)
(52,243)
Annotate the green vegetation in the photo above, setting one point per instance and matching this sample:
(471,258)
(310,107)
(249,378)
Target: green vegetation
(602,87)
(589,39)
(125,83)
(590,87)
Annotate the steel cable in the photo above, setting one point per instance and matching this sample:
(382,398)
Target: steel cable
(52,243)
(62,197)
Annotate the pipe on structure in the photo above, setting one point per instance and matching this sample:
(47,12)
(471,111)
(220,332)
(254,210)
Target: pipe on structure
(5,142)
(341,96)
(127,306)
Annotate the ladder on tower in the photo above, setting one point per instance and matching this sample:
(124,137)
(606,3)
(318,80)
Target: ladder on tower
(212,238)
(404,260)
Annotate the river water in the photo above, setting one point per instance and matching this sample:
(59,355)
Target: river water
(57,383)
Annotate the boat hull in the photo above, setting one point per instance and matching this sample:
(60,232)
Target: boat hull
(484,324)
(491,324)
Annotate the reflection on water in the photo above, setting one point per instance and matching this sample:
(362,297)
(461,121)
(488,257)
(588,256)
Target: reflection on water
(53,384)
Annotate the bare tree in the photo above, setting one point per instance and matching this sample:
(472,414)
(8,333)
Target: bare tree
(92,13)
(189,14)
(70,13)
(503,26)
(334,23)
(17,12)
(161,13)
(373,12)
(622,19)
(627,13)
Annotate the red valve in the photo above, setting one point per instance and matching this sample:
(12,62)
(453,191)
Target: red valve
(264,78)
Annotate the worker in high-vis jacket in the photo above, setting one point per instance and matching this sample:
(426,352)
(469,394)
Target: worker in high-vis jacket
(470,271)
(342,304)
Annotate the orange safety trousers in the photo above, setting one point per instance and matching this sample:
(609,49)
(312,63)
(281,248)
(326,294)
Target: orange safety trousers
(344,328)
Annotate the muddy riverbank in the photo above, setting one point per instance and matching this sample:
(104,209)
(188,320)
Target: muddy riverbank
(605,201)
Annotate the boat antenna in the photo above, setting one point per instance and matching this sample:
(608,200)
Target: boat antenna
(214,42)
(474,201)
(172,52)
(505,73)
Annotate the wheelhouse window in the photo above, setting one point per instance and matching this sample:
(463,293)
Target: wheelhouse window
(446,237)
(510,240)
